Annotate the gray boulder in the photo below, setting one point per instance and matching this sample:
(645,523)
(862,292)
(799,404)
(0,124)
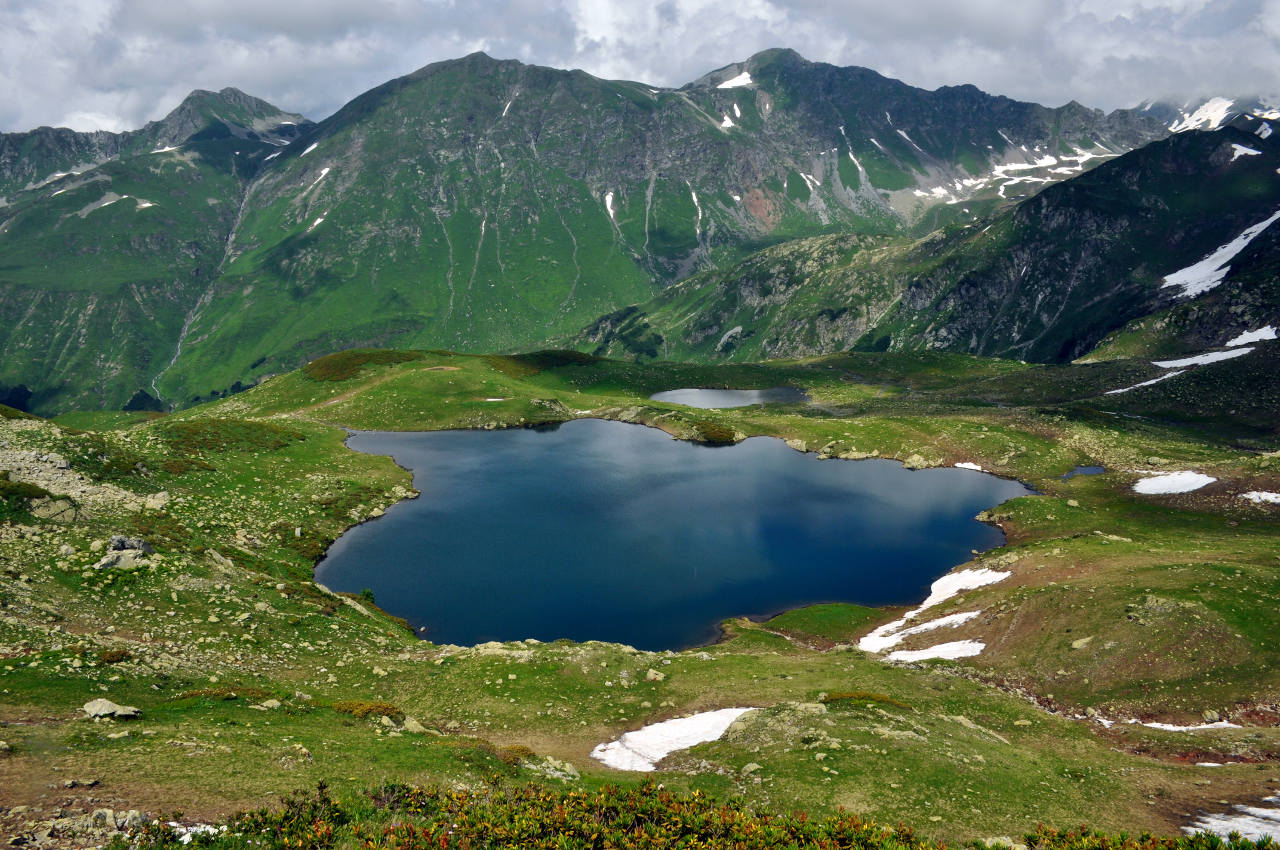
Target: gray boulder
(106,708)
(120,543)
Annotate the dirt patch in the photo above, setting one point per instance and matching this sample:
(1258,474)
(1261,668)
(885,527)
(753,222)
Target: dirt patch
(764,207)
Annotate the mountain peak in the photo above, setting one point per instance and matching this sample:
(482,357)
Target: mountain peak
(242,114)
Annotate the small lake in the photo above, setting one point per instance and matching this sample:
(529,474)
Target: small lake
(718,399)
(599,530)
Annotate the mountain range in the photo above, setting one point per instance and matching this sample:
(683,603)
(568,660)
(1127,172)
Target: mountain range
(774,207)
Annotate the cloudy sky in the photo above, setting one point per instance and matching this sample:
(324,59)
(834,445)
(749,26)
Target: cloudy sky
(115,64)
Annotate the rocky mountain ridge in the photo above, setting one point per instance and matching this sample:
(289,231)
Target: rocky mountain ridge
(1046,280)
(475,204)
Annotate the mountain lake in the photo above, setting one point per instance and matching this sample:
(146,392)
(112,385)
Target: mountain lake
(600,530)
(717,399)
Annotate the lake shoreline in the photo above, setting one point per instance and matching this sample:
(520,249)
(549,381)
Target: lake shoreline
(717,633)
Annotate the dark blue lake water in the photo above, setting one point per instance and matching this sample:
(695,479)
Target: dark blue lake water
(609,531)
(719,399)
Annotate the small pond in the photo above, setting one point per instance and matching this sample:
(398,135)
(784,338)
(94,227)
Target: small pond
(710,399)
(609,531)
(1083,470)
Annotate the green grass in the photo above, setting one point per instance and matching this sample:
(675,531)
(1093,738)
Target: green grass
(227,606)
(835,621)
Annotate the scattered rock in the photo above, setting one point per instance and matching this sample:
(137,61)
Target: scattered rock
(157,501)
(553,768)
(119,560)
(57,510)
(412,725)
(750,768)
(271,703)
(120,543)
(131,819)
(1210,716)
(1081,643)
(106,708)
(652,675)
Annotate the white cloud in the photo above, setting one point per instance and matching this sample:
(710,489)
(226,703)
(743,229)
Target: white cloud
(118,63)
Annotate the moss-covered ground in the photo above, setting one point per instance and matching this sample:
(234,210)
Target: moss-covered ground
(252,680)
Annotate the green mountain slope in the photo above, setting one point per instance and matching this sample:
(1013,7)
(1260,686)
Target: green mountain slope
(101,268)
(481,205)
(1046,280)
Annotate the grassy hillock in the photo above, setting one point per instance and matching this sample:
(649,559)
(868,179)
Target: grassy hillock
(252,680)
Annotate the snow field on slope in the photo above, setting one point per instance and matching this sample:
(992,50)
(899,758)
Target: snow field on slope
(1260,335)
(642,749)
(1200,277)
(1172,482)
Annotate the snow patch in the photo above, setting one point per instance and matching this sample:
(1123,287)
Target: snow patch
(737,113)
(642,749)
(309,149)
(1209,272)
(1201,359)
(1261,497)
(142,205)
(273,156)
(1170,727)
(812,182)
(1238,151)
(903,134)
(166,149)
(1260,335)
(1263,132)
(315,223)
(954,649)
(608,205)
(950,585)
(967,465)
(949,621)
(1166,376)
(505,108)
(1252,822)
(726,123)
(323,172)
(743,79)
(1208,117)
(1172,482)
(697,224)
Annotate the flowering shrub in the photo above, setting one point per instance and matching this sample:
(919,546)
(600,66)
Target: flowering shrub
(396,816)
(530,816)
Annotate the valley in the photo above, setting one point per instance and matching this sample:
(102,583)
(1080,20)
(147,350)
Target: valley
(1116,606)
(922,287)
